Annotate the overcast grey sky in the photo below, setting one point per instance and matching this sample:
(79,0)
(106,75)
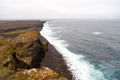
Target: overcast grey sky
(37,9)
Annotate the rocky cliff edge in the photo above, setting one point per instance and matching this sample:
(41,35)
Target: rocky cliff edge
(20,58)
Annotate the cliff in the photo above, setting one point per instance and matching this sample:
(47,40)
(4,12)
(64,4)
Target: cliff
(21,56)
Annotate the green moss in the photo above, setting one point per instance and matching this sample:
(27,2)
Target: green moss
(17,78)
(11,49)
(10,72)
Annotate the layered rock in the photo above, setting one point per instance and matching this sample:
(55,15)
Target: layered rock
(26,47)
(21,53)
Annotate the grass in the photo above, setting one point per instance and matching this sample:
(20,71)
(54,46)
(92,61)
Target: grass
(11,49)
(15,32)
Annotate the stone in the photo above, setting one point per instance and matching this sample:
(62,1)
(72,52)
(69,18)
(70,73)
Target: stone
(37,74)
(20,58)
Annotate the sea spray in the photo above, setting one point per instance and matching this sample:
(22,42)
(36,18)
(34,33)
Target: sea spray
(79,67)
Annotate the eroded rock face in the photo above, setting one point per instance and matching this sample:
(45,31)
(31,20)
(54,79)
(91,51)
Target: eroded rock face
(28,45)
(28,48)
(37,74)
(25,49)
(20,58)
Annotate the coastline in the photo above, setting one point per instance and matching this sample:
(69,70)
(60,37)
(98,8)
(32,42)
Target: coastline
(53,59)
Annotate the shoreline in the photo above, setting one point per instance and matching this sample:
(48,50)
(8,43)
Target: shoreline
(59,64)
(53,59)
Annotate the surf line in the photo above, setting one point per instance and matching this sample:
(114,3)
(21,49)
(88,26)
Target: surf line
(79,67)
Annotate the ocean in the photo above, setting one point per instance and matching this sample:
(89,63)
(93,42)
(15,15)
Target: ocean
(90,47)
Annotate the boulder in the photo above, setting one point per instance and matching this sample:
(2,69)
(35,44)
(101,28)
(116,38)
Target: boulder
(37,74)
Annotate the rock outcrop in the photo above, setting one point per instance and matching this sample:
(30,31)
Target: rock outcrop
(37,74)
(26,47)
(22,55)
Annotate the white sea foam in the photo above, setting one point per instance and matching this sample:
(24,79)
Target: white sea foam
(80,68)
(97,33)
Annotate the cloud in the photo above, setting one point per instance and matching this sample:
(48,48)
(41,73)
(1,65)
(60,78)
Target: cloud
(34,9)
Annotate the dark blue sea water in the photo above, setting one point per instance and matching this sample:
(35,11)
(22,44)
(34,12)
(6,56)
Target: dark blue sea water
(91,48)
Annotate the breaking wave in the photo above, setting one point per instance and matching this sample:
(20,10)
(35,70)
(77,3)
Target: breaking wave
(80,68)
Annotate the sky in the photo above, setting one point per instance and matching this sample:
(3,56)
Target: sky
(37,9)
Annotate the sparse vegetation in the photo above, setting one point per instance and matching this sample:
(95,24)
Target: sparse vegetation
(14,32)
(17,78)
(29,52)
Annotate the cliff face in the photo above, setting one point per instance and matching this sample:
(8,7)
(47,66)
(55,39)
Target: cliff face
(20,58)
